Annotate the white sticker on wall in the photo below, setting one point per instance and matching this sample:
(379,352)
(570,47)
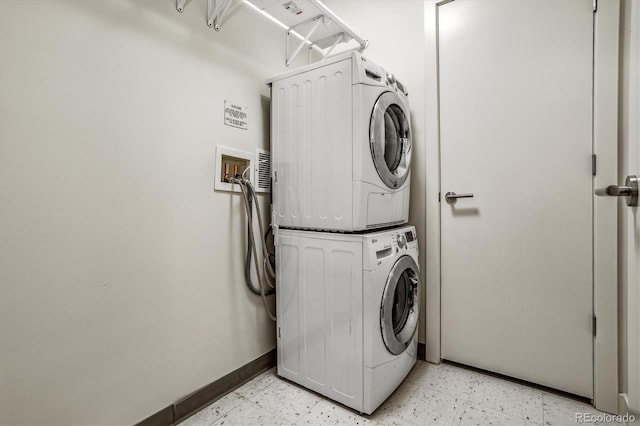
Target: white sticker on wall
(235,115)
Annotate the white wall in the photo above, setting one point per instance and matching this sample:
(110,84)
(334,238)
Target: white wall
(121,269)
(395,30)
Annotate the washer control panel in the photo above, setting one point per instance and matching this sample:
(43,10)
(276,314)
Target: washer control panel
(388,245)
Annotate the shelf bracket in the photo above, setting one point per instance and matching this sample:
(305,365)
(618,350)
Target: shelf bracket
(349,34)
(318,20)
(339,38)
(216,12)
(180,5)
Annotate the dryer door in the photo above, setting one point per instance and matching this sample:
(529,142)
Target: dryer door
(400,305)
(390,139)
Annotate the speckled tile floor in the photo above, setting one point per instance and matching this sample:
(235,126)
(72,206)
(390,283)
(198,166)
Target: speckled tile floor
(431,395)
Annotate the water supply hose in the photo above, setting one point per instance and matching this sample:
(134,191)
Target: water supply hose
(265,275)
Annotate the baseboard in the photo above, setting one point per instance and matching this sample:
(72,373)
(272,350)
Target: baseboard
(204,396)
(422,351)
(162,417)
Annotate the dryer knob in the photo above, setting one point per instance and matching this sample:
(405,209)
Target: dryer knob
(390,78)
(402,242)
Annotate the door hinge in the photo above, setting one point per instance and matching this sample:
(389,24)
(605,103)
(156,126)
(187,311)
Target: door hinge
(593,165)
(279,333)
(595,5)
(594,325)
(438,197)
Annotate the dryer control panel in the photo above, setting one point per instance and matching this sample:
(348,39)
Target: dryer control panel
(387,246)
(367,72)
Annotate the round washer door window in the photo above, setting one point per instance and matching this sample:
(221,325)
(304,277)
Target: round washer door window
(400,305)
(390,140)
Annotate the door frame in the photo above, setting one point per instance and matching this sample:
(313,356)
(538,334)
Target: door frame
(605,146)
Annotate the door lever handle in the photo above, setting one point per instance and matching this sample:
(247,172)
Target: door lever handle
(615,191)
(452,197)
(629,190)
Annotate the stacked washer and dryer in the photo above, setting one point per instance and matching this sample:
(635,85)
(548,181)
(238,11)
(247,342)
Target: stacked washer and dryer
(347,272)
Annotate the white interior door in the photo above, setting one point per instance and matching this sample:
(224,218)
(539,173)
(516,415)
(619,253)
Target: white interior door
(630,217)
(515,81)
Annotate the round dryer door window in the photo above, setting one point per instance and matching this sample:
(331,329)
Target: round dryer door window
(390,140)
(400,305)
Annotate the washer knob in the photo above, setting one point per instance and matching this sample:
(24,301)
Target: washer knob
(391,78)
(402,242)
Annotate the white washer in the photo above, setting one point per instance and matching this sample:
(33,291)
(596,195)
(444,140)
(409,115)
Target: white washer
(347,312)
(340,146)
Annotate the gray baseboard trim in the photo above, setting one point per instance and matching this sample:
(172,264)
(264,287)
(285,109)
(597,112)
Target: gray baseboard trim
(422,351)
(204,396)
(162,417)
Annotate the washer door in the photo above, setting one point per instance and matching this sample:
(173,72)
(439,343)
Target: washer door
(400,305)
(390,140)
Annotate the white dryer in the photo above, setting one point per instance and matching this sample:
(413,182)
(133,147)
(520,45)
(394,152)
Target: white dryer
(347,312)
(340,146)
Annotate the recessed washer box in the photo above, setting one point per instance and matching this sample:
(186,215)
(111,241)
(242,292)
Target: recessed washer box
(230,161)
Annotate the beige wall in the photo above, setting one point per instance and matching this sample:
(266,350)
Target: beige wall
(395,30)
(121,269)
